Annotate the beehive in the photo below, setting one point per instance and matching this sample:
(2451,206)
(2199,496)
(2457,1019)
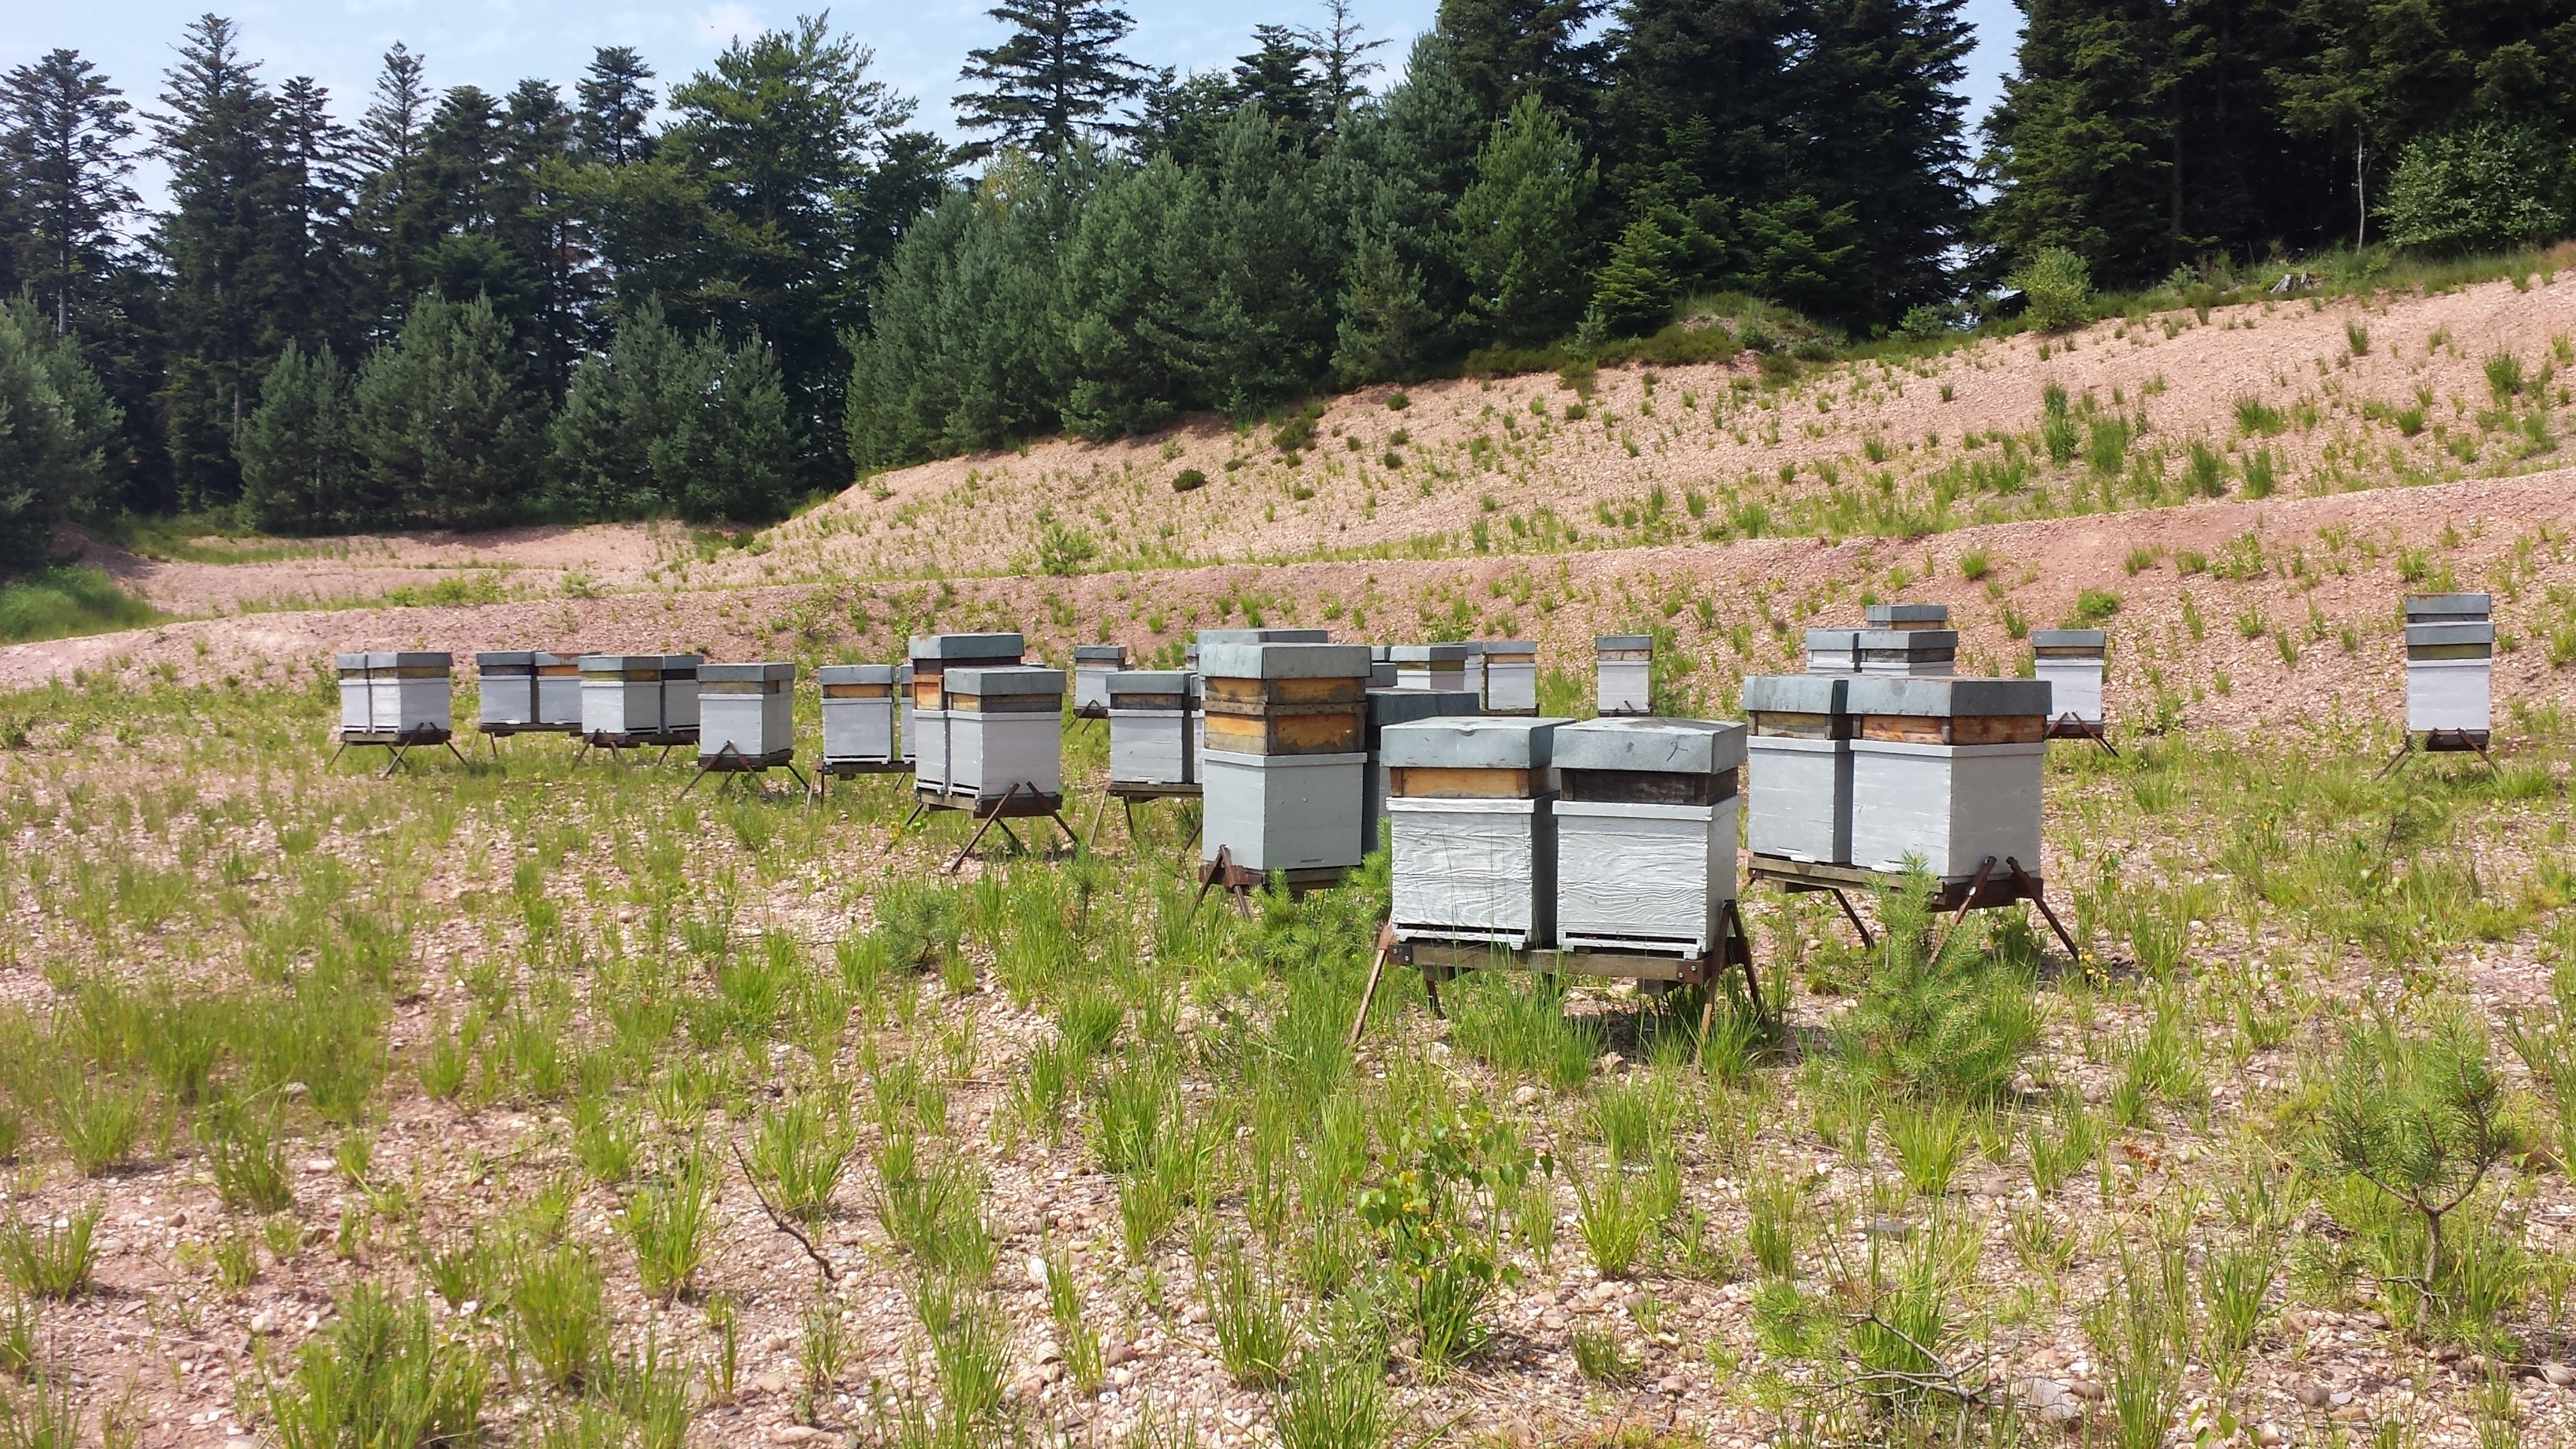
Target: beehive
(1623,673)
(408,693)
(1799,751)
(1474,852)
(1947,770)
(1511,676)
(1646,820)
(680,693)
(2450,648)
(1917,650)
(1381,667)
(925,728)
(1833,651)
(621,695)
(1284,766)
(903,710)
(357,696)
(1906,616)
(1430,666)
(2071,661)
(506,680)
(1092,666)
(748,709)
(858,714)
(1393,707)
(1005,730)
(1152,740)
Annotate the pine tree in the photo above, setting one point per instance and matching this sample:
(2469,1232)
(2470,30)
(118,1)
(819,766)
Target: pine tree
(1133,295)
(619,402)
(1521,225)
(614,100)
(316,293)
(299,468)
(1274,76)
(62,131)
(396,215)
(448,434)
(1272,264)
(1403,165)
(55,423)
(1056,78)
(1507,49)
(731,455)
(1341,61)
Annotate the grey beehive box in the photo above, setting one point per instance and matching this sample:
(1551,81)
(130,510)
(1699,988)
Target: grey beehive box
(357,694)
(1092,666)
(925,729)
(2071,661)
(1005,730)
(1623,673)
(903,709)
(1473,852)
(1646,820)
(2448,608)
(1920,651)
(1511,676)
(680,693)
(1430,666)
(1393,707)
(506,680)
(1282,812)
(408,692)
(1283,770)
(558,690)
(1381,667)
(858,713)
(1151,738)
(1207,637)
(749,708)
(2448,665)
(1833,651)
(621,694)
(1800,762)
(1906,616)
(1947,771)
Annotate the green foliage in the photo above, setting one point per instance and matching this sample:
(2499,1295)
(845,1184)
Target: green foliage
(2057,288)
(666,1221)
(1520,224)
(51,1259)
(246,1152)
(55,424)
(448,435)
(300,468)
(1952,1024)
(2418,1114)
(1247,1316)
(2486,186)
(379,1375)
(559,1311)
(661,424)
(65,600)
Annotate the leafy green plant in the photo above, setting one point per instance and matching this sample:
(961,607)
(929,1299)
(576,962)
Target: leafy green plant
(933,1211)
(1955,1023)
(1930,1139)
(52,1259)
(1598,1357)
(2419,1116)
(97,1119)
(2057,288)
(1614,1219)
(1332,1402)
(379,1375)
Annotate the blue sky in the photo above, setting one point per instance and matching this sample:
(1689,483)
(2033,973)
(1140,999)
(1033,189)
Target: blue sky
(495,43)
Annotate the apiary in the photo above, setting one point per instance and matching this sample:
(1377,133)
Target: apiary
(1623,673)
(903,710)
(1430,666)
(1833,651)
(2071,661)
(1917,650)
(1511,676)
(2450,648)
(1947,770)
(925,728)
(1394,707)
(1005,731)
(1646,820)
(1283,771)
(1152,739)
(746,712)
(1906,616)
(621,697)
(680,694)
(1474,852)
(858,717)
(1800,756)
(1092,666)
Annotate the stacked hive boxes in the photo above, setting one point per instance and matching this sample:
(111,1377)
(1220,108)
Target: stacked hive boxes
(1284,758)
(507,682)
(1947,771)
(1911,639)
(1645,821)
(621,696)
(1833,651)
(747,712)
(1005,730)
(1430,666)
(1151,738)
(2450,646)
(1467,810)
(858,715)
(1511,676)
(680,694)
(1381,667)
(1092,666)
(1394,707)
(1206,637)
(1801,755)
(394,695)
(2071,661)
(1623,673)
(925,729)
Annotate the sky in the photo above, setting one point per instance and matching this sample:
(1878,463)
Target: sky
(919,45)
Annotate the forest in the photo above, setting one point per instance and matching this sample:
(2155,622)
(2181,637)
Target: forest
(714,297)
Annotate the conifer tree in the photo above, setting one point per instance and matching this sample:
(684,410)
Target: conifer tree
(299,468)
(1521,225)
(614,100)
(1056,78)
(55,423)
(62,132)
(1507,49)
(448,434)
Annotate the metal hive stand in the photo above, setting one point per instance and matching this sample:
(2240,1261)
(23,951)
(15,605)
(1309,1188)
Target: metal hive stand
(1023,801)
(494,733)
(2439,742)
(1996,883)
(851,769)
(731,761)
(2068,727)
(668,740)
(1241,881)
(398,742)
(1128,792)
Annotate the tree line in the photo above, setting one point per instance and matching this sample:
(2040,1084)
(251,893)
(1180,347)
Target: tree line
(713,297)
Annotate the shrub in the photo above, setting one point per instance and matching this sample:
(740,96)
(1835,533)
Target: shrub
(1954,1023)
(1188,480)
(2488,186)
(2419,1116)
(2057,288)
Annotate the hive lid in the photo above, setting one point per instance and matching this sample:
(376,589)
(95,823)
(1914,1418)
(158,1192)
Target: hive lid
(1474,742)
(947,647)
(748,673)
(546,657)
(618,663)
(1207,637)
(1284,661)
(416,659)
(1947,698)
(2447,607)
(1006,679)
(1403,706)
(518,659)
(1796,693)
(1906,616)
(1431,653)
(349,661)
(1149,681)
(1381,653)
(1510,646)
(903,672)
(1652,745)
(2481,631)
(681,666)
(855,674)
(1099,653)
(1831,640)
(2069,639)
(1910,641)
(1623,641)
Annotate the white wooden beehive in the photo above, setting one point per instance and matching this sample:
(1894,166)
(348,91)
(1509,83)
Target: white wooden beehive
(1948,771)
(1921,652)
(1284,770)
(903,710)
(1646,816)
(1005,730)
(409,691)
(1799,759)
(558,690)
(1473,845)
(749,708)
(506,682)
(1623,673)
(621,694)
(1511,676)
(925,729)
(1393,707)
(858,713)
(1092,666)
(1430,666)
(680,693)
(2450,649)
(1152,737)
(2071,661)
(1833,651)
(357,694)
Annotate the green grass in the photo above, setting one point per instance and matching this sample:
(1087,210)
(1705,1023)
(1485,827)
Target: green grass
(61,602)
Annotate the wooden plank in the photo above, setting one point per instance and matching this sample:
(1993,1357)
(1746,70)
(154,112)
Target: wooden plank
(1781,724)
(1338,733)
(1457,782)
(858,691)
(1006,703)
(1645,787)
(1966,729)
(1336,690)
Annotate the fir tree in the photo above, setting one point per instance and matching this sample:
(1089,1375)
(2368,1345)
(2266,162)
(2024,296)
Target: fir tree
(613,102)
(55,423)
(1056,78)
(1507,49)
(1274,76)
(619,402)
(299,468)
(62,130)
(396,211)
(448,434)
(1521,225)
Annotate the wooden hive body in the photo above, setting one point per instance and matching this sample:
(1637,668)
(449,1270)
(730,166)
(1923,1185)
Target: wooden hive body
(1430,666)
(1623,673)
(2450,649)
(748,707)
(1005,730)
(1393,707)
(1153,737)
(1646,820)
(2071,660)
(1833,651)
(680,693)
(1092,666)
(1472,839)
(1800,761)
(621,694)
(1511,676)
(858,713)
(357,694)
(1283,768)
(1947,771)
(506,682)
(925,727)
(1919,652)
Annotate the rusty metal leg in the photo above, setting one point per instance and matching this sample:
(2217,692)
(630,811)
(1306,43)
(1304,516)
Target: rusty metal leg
(2031,892)
(2397,759)
(1853,916)
(393,764)
(958,861)
(1967,902)
(1368,991)
(1212,872)
(1096,812)
(1737,948)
